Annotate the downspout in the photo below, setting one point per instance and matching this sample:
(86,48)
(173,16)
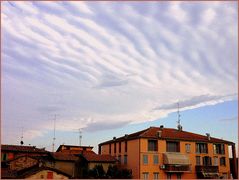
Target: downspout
(139,157)
(234,162)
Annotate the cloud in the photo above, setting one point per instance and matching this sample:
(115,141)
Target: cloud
(197,101)
(228,120)
(95,59)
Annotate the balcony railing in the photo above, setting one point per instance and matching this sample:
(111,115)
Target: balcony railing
(207,169)
(176,168)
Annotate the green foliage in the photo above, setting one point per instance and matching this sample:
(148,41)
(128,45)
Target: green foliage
(97,172)
(113,172)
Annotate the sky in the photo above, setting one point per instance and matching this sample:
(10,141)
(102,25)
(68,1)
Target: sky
(112,68)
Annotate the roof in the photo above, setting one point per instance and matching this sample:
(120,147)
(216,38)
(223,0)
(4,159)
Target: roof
(168,134)
(35,169)
(91,156)
(72,146)
(19,148)
(64,156)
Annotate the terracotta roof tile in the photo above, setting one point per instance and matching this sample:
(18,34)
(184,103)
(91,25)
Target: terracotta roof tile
(64,156)
(22,148)
(169,134)
(93,157)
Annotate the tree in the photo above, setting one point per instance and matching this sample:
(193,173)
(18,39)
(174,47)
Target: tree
(114,172)
(97,172)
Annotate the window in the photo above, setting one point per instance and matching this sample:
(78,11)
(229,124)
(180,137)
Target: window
(4,156)
(201,148)
(152,145)
(188,148)
(109,148)
(173,146)
(49,175)
(156,175)
(99,149)
(222,161)
(119,147)
(145,175)
(145,159)
(125,159)
(119,158)
(156,159)
(219,149)
(114,147)
(125,146)
(179,176)
(168,176)
(215,161)
(198,160)
(207,161)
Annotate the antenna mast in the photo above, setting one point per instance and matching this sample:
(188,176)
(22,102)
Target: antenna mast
(21,142)
(80,136)
(179,119)
(54,136)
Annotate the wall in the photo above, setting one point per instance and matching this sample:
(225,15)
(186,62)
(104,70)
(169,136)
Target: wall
(151,168)
(65,166)
(135,158)
(43,175)
(91,165)
(132,154)
(22,162)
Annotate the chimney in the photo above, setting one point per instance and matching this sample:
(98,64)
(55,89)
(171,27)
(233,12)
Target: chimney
(161,127)
(180,128)
(159,134)
(208,136)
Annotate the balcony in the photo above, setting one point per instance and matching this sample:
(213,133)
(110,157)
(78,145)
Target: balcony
(207,172)
(207,169)
(176,168)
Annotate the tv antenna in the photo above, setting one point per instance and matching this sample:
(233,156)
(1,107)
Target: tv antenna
(54,135)
(21,142)
(179,119)
(80,135)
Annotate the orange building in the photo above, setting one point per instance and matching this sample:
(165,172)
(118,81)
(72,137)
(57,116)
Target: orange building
(165,153)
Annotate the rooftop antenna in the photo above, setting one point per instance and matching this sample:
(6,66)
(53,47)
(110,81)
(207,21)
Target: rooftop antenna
(54,135)
(79,131)
(80,136)
(21,142)
(179,119)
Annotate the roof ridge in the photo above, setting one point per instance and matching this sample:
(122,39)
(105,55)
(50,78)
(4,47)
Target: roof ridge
(146,130)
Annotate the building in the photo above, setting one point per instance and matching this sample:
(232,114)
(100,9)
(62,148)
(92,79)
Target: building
(27,167)
(165,153)
(9,152)
(63,161)
(68,162)
(88,160)
(72,149)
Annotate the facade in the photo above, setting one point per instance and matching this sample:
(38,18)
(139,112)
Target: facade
(165,153)
(9,152)
(26,167)
(68,162)
(72,149)
(91,159)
